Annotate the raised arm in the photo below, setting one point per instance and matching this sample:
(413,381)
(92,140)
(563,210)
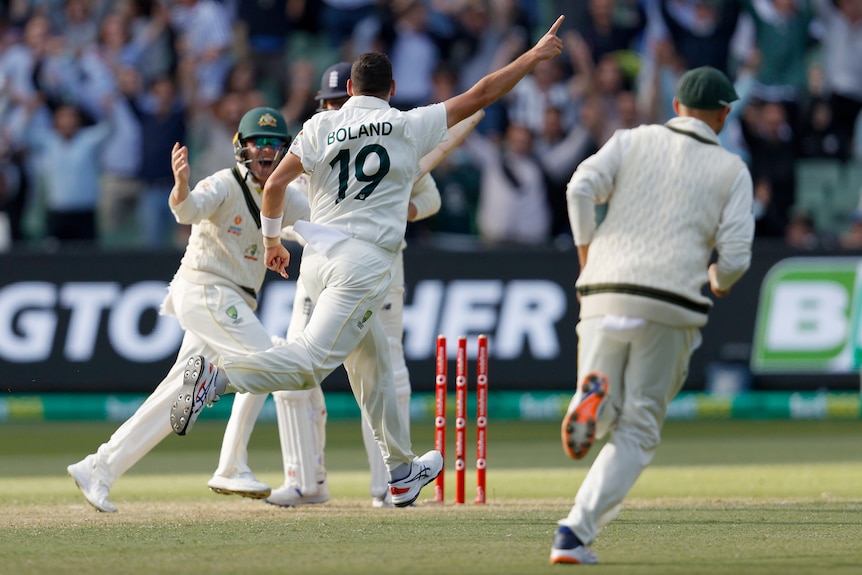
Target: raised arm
(495,85)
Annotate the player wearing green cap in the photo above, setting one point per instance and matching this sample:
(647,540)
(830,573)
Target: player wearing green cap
(674,195)
(214,291)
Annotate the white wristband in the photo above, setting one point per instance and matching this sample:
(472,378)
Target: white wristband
(271,227)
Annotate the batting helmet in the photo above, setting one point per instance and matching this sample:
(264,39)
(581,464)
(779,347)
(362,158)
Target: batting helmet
(333,84)
(262,122)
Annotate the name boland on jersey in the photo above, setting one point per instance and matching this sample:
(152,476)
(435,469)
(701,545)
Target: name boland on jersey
(362,160)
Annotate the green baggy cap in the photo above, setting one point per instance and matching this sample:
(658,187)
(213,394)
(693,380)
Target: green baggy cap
(705,88)
(262,122)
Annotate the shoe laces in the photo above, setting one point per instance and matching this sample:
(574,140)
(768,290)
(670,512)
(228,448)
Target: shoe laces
(424,471)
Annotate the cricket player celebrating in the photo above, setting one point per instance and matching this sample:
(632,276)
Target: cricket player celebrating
(674,195)
(214,292)
(362,161)
(301,414)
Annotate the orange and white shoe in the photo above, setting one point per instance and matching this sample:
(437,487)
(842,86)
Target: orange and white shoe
(569,549)
(579,425)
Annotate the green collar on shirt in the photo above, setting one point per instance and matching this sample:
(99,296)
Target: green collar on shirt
(697,137)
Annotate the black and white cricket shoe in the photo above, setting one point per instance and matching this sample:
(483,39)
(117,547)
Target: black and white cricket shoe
(423,470)
(198,391)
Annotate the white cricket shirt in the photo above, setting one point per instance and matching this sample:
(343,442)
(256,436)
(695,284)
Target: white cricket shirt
(361,161)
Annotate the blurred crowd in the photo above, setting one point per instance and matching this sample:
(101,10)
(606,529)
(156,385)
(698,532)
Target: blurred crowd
(94,93)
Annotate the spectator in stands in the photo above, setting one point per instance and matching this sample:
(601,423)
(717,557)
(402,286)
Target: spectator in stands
(244,81)
(800,233)
(560,151)
(612,26)
(13,192)
(782,39)
(513,204)
(78,24)
(120,185)
(769,138)
(820,137)
(609,81)
(768,222)
(851,238)
(204,37)
(338,18)
(25,69)
(298,103)
(68,159)
(401,29)
(842,61)
(701,30)
(266,28)
(483,42)
(23,65)
(106,69)
(162,116)
(150,27)
(545,87)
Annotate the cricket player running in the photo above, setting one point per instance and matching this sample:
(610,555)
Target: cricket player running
(361,161)
(674,195)
(214,291)
(301,414)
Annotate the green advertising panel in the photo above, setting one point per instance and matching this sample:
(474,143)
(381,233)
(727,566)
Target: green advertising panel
(808,317)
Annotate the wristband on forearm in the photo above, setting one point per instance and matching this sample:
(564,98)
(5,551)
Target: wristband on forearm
(271,227)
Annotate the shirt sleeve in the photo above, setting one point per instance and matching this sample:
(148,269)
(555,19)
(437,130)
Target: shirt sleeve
(735,232)
(592,184)
(427,127)
(295,205)
(305,147)
(425,197)
(202,202)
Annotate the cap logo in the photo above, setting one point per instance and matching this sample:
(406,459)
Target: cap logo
(333,79)
(268,120)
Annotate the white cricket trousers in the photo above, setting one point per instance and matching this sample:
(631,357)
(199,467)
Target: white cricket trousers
(347,287)
(217,320)
(646,368)
(302,413)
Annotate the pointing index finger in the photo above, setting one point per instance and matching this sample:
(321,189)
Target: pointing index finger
(556,26)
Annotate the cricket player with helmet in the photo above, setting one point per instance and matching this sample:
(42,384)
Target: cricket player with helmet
(361,161)
(213,293)
(301,414)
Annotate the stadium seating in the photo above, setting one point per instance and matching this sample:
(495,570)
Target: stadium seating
(829,190)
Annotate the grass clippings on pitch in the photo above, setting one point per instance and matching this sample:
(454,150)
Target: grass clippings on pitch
(733,498)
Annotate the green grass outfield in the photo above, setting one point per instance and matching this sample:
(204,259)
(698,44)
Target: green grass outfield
(730,497)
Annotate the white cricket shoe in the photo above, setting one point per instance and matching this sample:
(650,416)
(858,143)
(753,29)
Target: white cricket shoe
(95,491)
(198,391)
(569,549)
(382,501)
(244,484)
(290,495)
(423,470)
